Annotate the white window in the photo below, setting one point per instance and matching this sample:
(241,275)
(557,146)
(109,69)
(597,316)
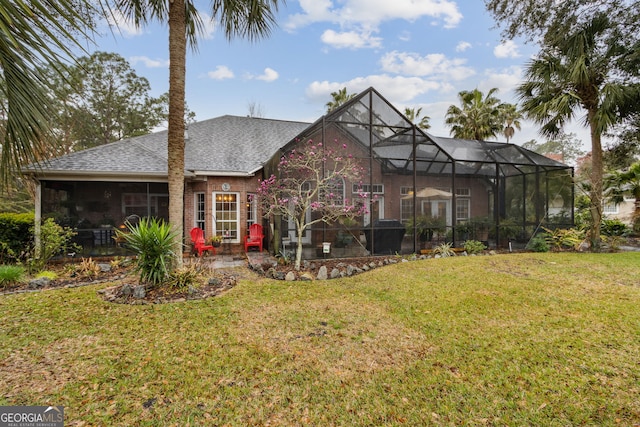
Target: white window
(252,210)
(406,204)
(334,194)
(610,208)
(226,216)
(199,211)
(462,210)
(463,204)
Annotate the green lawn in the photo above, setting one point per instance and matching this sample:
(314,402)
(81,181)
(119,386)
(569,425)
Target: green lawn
(523,339)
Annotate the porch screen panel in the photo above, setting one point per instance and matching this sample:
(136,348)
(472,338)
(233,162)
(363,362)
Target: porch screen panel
(226,216)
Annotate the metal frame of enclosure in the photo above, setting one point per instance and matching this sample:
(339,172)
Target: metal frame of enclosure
(425,190)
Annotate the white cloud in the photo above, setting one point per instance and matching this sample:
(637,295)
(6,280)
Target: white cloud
(122,24)
(350,39)
(435,64)
(372,12)
(269,75)
(505,80)
(221,72)
(396,89)
(507,49)
(462,46)
(148,62)
(209,26)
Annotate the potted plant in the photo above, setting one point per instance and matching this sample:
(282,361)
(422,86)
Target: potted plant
(426,226)
(214,241)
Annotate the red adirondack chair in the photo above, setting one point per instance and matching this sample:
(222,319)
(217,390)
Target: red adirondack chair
(254,238)
(197,237)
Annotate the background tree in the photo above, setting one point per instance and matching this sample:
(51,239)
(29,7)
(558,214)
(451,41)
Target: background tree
(413,115)
(104,100)
(34,35)
(511,116)
(338,98)
(252,19)
(538,20)
(625,183)
(625,150)
(576,72)
(306,182)
(568,145)
(479,117)
(255,109)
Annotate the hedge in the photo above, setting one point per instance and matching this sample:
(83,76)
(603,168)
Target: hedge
(16,236)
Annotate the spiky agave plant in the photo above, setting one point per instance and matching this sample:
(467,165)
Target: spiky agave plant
(151,239)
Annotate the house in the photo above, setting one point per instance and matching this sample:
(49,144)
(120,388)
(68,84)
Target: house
(476,189)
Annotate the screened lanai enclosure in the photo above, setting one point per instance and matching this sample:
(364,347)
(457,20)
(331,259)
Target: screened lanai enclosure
(421,190)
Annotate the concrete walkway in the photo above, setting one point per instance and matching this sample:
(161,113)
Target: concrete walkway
(231,261)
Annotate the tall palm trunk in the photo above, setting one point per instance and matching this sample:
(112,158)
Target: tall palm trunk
(596,179)
(175,143)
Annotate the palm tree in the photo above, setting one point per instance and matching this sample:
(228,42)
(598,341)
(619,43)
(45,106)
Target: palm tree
(251,19)
(574,73)
(340,97)
(621,183)
(479,118)
(511,118)
(414,115)
(34,35)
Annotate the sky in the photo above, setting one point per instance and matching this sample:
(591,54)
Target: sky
(416,53)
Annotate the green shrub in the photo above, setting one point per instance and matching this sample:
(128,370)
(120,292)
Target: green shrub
(474,246)
(444,250)
(51,275)
(151,240)
(10,274)
(539,243)
(561,238)
(16,236)
(184,277)
(613,227)
(54,240)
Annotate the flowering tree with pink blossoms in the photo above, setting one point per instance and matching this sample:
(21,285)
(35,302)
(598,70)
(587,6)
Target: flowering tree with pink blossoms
(306,182)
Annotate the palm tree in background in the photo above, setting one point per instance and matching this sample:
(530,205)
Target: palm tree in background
(251,19)
(340,97)
(413,115)
(34,35)
(625,183)
(479,116)
(511,119)
(578,72)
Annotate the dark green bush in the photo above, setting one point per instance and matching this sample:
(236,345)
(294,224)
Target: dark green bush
(539,243)
(613,227)
(16,236)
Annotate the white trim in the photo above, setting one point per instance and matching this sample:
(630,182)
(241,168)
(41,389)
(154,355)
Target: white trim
(214,212)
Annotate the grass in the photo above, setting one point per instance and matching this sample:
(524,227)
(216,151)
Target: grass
(523,339)
(10,274)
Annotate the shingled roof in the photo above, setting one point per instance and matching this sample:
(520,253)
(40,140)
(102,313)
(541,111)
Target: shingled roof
(226,145)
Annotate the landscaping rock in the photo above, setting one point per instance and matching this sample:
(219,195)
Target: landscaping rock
(126,290)
(139,292)
(306,276)
(214,281)
(104,267)
(290,276)
(38,283)
(322,273)
(335,273)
